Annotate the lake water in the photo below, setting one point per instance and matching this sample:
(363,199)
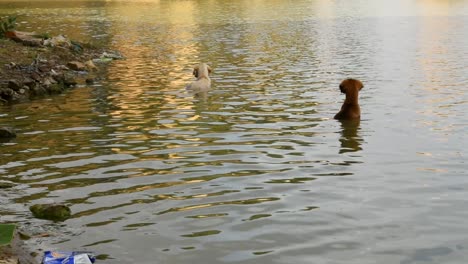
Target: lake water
(256,170)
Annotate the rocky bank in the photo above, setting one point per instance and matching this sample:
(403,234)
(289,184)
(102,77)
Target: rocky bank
(34,66)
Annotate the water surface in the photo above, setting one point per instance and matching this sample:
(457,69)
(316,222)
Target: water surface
(254,171)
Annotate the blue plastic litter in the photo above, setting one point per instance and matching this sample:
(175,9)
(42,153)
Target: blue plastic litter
(70,257)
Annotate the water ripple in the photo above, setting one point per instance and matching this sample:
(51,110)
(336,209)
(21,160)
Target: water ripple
(255,170)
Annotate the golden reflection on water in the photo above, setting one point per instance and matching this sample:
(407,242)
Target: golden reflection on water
(437,7)
(438,65)
(256,154)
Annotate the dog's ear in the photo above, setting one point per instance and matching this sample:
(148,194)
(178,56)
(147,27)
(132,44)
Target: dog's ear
(209,69)
(195,71)
(350,84)
(343,86)
(358,84)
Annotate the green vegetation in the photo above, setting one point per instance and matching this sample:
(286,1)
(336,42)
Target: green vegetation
(7,24)
(6,234)
(54,212)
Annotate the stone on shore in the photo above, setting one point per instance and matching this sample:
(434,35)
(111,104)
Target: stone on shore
(58,41)
(58,63)
(15,85)
(8,94)
(90,66)
(69,80)
(76,66)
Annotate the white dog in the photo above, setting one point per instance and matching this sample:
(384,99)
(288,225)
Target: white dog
(203,82)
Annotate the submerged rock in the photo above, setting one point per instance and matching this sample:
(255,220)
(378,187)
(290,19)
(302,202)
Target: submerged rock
(54,212)
(7,132)
(38,91)
(69,80)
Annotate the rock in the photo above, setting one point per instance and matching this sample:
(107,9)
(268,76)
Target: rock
(76,66)
(48,81)
(8,94)
(54,212)
(15,85)
(53,73)
(69,80)
(112,55)
(60,41)
(90,65)
(7,132)
(32,42)
(76,47)
(109,56)
(62,68)
(43,68)
(29,82)
(36,76)
(38,91)
(23,90)
(11,65)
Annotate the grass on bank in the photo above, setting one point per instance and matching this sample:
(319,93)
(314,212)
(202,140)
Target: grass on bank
(7,232)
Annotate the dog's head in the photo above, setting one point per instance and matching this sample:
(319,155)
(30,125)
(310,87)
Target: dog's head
(200,68)
(350,85)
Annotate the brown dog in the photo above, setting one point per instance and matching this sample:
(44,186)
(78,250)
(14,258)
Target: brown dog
(350,108)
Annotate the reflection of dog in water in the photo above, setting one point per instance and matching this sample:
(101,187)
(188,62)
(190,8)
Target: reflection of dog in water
(203,82)
(350,108)
(350,139)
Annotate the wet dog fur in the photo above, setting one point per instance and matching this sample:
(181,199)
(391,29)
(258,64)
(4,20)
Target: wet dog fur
(350,108)
(203,82)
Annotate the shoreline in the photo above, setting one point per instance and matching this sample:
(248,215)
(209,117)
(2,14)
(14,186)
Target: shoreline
(35,67)
(17,252)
